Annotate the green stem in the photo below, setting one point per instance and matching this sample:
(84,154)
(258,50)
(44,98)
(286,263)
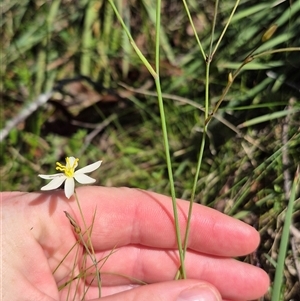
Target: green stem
(225,28)
(201,152)
(90,245)
(278,281)
(132,42)
(194,29)
(233,76)
(165,138)
(155,74)
(268,52)
(213,30)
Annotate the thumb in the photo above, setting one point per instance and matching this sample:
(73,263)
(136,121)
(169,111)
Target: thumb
(180,290)
(199,292)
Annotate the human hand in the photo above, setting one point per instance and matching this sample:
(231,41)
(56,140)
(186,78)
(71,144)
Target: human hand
(138,225)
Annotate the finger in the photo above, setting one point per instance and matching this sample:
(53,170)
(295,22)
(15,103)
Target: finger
(10,194)
(234,280)
(130,216)
(183,290)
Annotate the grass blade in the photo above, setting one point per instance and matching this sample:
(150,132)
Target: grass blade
(278,281)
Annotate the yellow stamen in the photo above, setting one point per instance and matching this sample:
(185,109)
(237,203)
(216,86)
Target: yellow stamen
(69,169)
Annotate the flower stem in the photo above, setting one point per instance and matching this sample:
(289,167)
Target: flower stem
(89,246)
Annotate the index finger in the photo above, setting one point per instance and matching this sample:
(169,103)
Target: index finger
(130,216)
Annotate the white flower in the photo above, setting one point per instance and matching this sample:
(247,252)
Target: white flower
(69,174)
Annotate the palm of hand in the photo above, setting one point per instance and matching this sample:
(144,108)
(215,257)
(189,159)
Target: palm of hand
(138,227)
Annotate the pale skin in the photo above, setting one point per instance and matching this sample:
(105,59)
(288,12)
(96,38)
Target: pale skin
(138,225)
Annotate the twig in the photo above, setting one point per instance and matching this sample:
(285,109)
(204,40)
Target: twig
(98,128)
(295,242)
(25,112)
(40,101)
(285,155)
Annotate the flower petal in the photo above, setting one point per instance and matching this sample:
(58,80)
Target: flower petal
(51,177)
(72,162)
(88,168)
(84,179)
(69,187)
(55,183)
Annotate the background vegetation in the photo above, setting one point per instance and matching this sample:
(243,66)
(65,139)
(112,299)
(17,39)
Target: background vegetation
(103,104)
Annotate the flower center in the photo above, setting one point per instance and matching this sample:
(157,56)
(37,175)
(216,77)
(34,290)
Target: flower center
(69,169)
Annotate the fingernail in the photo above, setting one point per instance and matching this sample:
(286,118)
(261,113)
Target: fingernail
(199,293)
